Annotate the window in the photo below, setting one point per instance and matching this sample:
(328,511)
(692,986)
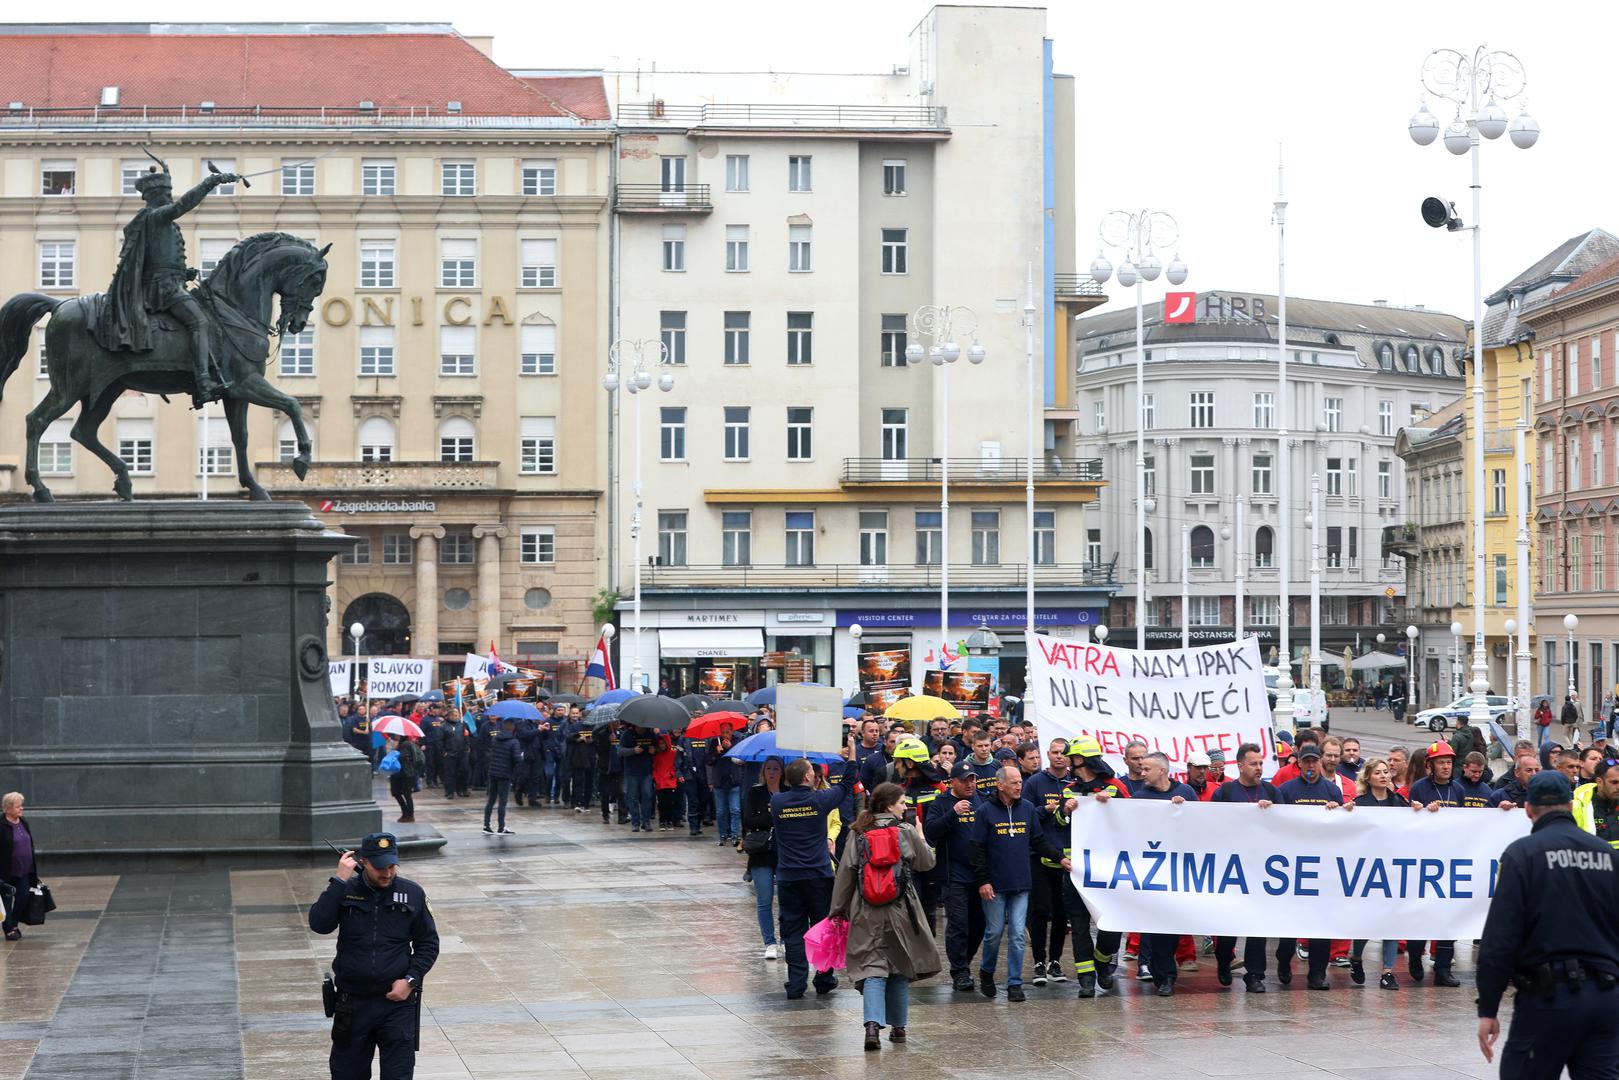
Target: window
(1093,547)
(1099,415)
(1149,476)
(800,538)
(209,251)
(1498,491)
(736,537)
(672,433)
(1335,476)
(1265,410)
(1203,611)
(359,554)
(57,177)
(537,544)
(129,172)
(1385,418)
(1045,538)
(1352,477)
(928,543)
(1576,568)
(894,176)
(56,264)
(874,538)
(799,329)
(1335,547)
(537,446)
(1597,479)
(672,537)
(1574,463)
(800,433)
(1596,362)
(894,251)
(1599,566)
(1548,466)
(736,172)
(44,371)
(1202,409)
(736,433)
(1354,546)
(377,439)
(1419,411)
(456,351)
(1572,352)
(539,270)
(458,178)
(736,337)
(894,441)
(1202,474)
(540,177)
(1385,480)
(736,249)
(457,548)
(674,248)
(1149,412)
(1201,542)
(297,178)
(1264,610)
(1264,547)
(986,536)
(377,350)
(455,440)
(672,173)
(893,341)
(538,355)
(135,445)
(1546,375)
(397,549)
(298,353)
(1501,580)
(215,455)
(1262,474)
(376,176)
(458,264)
(377,264)
(798,249)
(1332,413)
(798,173)
(1148,559)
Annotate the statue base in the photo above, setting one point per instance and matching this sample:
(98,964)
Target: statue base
(163,684)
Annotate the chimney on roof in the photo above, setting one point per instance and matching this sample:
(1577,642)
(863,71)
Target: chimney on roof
(485,45)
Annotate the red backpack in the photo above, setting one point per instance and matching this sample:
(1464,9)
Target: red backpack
(884,877)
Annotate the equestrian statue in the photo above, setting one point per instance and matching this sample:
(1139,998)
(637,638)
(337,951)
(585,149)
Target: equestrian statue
(151,333)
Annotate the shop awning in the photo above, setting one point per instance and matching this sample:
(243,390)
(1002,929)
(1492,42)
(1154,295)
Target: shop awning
(731,641)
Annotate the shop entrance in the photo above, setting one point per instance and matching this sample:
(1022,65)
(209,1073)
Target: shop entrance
(386,622)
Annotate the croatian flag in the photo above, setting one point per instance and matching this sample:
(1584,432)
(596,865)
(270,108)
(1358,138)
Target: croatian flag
(495,666)
(601,665)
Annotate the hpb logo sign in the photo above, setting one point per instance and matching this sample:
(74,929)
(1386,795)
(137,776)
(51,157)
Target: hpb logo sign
(1180,307)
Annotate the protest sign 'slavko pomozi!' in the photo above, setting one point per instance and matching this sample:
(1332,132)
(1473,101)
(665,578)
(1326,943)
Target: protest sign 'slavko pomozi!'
(1178,701)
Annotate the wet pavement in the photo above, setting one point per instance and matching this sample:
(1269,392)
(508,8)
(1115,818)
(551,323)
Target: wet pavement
(578,949)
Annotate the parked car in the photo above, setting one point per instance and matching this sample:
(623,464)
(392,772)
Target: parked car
(1448,716)
(1309,710)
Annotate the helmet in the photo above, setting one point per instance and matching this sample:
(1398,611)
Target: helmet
(912,750)
(1084,746)
(1440,749)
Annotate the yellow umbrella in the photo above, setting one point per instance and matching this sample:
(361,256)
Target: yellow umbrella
(922,707)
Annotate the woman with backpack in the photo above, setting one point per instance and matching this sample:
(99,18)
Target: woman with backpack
(759,845)
(402,784)
(889,944)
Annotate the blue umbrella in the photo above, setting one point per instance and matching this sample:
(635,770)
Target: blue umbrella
(433,697)
(615,696)
(853,712)
(767,695)
(514,710)
(763,745)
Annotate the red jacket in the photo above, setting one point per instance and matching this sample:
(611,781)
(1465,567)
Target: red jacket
(663,765)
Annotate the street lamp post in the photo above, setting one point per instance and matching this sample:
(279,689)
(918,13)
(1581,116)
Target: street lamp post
(1315,595)
(1475,85)
(1571,623)
(1284,479)
(356,632)
(635,381)
(1101,635)
(1511,628)
(1135,235)
(1411,663)
(1456,664)
(944,325)
(1521,659)
(1242,576)
(1186,586)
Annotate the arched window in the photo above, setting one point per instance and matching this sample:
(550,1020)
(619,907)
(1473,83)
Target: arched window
(1385,357)
(1146,549)
(455,439)
(1264,547)
(286,442)
(1202,547)
(377,439)
(1436,361)
(1413,361)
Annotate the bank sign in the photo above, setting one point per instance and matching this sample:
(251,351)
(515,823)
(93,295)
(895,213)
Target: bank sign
(377,506)
(1012,618)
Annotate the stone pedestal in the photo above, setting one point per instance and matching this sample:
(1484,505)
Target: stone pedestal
(163,686)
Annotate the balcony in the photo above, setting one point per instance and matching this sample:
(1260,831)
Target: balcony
(1402,540)
(1072,286)
(653,199)
(858,578)
(383,476)
(781,115)
(970,472)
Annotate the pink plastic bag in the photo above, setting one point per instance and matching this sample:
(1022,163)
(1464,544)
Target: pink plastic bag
(825,944)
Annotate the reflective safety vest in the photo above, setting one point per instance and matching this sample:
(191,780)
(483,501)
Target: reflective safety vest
(1074,789)
(1600,820)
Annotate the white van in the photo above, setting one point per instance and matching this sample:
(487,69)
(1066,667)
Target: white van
(1309,709)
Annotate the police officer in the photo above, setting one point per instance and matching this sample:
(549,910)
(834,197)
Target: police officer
(386,945)
(1553,932)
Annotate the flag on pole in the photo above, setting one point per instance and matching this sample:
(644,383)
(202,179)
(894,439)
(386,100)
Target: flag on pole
(495,666)
(601,665)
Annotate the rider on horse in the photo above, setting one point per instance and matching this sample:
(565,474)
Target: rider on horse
(151,278)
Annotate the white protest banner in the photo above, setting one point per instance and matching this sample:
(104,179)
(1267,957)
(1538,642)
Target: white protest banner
(337,673)
(391,676)
(477,667)
(1175,700)
(809,718)
(1301,871)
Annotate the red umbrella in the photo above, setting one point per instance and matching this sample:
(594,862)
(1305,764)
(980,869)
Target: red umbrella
(707,726)
(396,725)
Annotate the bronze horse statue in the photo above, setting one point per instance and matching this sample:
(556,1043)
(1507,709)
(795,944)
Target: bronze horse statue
(238,297)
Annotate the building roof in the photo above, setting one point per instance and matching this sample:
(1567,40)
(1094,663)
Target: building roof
(1560,266)
(581,93)
(396,71)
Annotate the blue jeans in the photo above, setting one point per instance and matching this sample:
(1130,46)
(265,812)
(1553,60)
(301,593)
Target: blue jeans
(728,811)
(764,891)
(638,799)
(887,999)
(1007,913)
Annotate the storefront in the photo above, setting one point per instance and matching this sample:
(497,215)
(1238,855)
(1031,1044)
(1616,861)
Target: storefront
(730,653)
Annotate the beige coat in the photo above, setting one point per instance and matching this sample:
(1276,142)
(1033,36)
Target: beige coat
(891,939)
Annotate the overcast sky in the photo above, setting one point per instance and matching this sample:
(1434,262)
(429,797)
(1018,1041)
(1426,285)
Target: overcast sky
(1182,107)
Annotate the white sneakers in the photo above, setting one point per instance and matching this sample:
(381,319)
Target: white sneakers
(772,952)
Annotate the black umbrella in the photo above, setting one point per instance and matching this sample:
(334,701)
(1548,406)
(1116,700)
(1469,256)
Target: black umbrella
(567,699)
(730,706)
(858,699)
(404,698)
(652,711)
(696,704)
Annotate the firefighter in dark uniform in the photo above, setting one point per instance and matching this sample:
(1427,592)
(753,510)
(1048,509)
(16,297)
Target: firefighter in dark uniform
(1553,932)
(920,781)
(1088,775)
(386,945)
